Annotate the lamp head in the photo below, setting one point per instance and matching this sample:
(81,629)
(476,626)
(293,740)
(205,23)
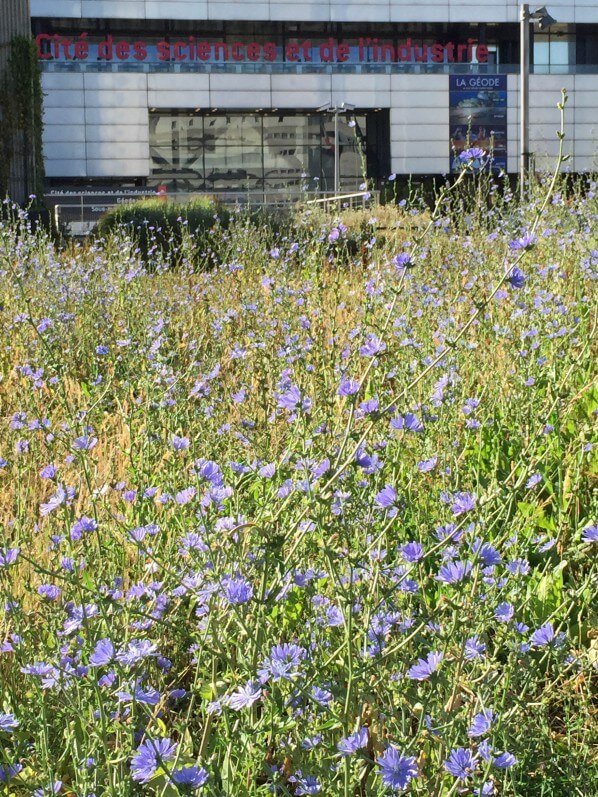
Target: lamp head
(543,18)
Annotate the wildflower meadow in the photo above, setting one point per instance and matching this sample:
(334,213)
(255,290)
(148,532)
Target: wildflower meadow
(310,510)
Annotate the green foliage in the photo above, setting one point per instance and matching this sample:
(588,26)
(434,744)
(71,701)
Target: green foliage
(165,227)
(21,99)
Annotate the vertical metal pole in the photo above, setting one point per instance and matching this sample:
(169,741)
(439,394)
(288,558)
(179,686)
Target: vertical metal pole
(337,179)
(524,20)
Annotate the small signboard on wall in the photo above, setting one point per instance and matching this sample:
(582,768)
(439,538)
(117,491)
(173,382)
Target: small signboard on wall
(478,118)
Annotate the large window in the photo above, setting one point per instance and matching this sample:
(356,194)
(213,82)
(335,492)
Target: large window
(226,151)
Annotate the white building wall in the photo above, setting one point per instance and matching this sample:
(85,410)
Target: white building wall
(419,124)
(96,124)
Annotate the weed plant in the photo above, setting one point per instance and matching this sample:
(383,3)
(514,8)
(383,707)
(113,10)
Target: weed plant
(307,521)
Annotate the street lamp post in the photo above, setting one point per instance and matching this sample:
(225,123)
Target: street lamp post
(336,109)
(544,20)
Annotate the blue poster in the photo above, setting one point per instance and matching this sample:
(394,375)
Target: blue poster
(478,118)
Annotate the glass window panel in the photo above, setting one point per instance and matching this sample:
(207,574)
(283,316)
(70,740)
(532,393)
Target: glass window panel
(541,52)
(288,130)
(285,166)
(559,52)
(233,129)
(233,167)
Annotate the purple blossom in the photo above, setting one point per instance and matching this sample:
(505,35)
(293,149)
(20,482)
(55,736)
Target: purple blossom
(283,663)
(372,346)
(22,446)
(323,697)
(305,784)
(460,763)
(463,502)
(209,470)
(8,722)
(516,278)
(137,534)
(77,615)
(85,443)
(83,525)
(8,556)
(367,407)
(481,723)
(149,756)
(453,572)
(185,496)
(487,553)
(504,760)
(426,465)
(590,534)
(49,591)
(504,612)
(237,590)
(136,651)
(471,154)
(534,479)
(356,741)
(396,770)
(48,471)
(348,387)
(148,696)
(245,696)
(18,420)
(526,241)
(39,669)
(54,787)
(402,260)
(192,777)
(9,771)
(179,443)
(486,789)
(59,497)
(292,399)
(412,551)
(544,635)
(103,653)
(425,667)
(474,649)
(408,422)
(386,499)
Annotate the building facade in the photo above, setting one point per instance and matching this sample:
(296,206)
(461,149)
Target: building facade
(208,95)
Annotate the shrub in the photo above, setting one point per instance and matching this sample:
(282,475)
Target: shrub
(164,227)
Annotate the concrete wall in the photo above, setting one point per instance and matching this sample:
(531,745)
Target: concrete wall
(317,10)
